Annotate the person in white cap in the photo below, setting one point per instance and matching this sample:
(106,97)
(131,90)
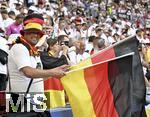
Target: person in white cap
(18,6)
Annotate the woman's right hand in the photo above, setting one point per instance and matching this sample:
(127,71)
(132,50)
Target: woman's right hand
(65,49)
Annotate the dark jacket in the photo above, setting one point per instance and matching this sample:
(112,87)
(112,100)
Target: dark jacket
(50,62)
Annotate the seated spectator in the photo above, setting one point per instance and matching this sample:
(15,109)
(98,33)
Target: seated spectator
(18,6)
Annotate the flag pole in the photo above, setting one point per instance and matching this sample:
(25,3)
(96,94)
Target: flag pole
(122,56)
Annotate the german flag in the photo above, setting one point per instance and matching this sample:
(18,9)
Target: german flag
(101,90)
(54,93)
(54,90)
(138,84)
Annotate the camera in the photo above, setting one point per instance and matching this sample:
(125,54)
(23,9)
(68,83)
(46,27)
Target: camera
(65,43)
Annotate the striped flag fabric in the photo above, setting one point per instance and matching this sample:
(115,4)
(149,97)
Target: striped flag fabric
(54,93)
(53,88)
(125,46)
(101,90)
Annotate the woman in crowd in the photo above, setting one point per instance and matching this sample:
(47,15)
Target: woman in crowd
(52,58)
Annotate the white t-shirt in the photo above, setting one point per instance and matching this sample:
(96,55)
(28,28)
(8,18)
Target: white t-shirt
(64,10)
(4,47)
(41,11)
(76,58)
(18,58)
(103,36)
(89,47)
(111,40)
(7,22)
(82,57)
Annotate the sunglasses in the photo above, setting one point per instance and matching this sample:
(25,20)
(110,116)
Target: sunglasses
(31,32)
(34,32)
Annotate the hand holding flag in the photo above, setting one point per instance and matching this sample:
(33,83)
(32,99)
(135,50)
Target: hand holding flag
(59,72)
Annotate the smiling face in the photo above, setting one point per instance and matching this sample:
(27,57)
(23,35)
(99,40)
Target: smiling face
(32,36)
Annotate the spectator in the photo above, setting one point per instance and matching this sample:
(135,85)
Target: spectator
(79,54)
(6,20)
(3,63)
(16,26)
(52,57)
(12,15)
(3,72)
(18,6)
(63,40)
(101,44)
(98,44)
(24,62)
(40,7)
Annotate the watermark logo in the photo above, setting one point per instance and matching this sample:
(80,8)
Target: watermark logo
(18,102)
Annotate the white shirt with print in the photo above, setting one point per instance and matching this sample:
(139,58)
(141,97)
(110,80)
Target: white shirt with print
(18,58)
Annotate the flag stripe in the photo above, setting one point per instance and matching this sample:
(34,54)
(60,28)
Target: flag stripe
(96,78)
(79,96)
(54,92)
(103,56)
(53,83)
(138,83)
(127,46)
(81,64)
(55,98)
(119,75)
(96,59)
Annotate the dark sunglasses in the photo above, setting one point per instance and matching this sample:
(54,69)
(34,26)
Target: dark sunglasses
(34,32)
